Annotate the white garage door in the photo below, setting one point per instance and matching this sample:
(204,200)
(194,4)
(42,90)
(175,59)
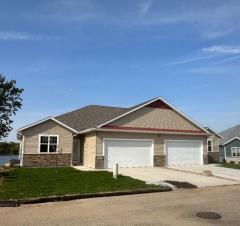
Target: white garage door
(128,153)
(184,152)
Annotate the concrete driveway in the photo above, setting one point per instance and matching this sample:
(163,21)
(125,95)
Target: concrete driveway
(222,172)
(156,175)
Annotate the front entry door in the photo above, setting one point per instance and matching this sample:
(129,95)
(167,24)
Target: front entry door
(76,151)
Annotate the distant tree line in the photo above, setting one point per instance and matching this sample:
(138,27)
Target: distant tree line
(9,148)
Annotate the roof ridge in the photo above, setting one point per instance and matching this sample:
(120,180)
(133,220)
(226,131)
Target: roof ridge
(87,106)
(71,111)
(98,105)
(238,125)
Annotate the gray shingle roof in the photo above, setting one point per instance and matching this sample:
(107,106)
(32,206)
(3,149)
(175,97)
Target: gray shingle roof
(90,116)
(230,133)
(93,116)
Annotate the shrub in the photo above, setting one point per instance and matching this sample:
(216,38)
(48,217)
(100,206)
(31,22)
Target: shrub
(232,162)
(224,161)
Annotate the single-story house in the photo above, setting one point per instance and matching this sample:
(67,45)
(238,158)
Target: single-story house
(153,133)
(230,144)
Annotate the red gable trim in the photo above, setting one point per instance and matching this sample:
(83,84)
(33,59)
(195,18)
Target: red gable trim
(154,129)
(158,104)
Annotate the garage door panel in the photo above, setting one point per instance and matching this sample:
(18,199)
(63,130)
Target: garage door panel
(184,152)
(127,153)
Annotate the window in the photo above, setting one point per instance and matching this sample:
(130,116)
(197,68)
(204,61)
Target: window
(48,143)
(235,151)
(209,144)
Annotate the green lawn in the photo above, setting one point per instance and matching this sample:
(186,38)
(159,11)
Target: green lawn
(230,165)
(21,183)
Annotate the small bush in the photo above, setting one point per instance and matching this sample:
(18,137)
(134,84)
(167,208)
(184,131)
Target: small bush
(224,161)
(232,162)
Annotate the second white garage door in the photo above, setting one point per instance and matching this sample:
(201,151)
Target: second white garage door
(184,152)
(128,153)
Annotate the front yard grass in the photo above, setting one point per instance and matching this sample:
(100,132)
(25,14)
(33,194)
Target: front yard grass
(21,183)
(231,165)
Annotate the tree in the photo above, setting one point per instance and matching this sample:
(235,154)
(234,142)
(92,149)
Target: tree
(10,102)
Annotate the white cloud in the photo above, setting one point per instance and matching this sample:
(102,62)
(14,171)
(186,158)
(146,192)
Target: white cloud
(217,50)
(12,35)
(212,20)
(222,49)
(145,7)
(228,60)
(191,60)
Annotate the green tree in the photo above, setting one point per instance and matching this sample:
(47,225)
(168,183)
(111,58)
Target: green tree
(10,148)
(10,102)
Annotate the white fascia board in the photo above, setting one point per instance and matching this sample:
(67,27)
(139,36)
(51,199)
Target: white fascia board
(164,101)
(44,120)
(64,125)
(33,124)
(86,131)
(149,132)
(135,131)
(231,140)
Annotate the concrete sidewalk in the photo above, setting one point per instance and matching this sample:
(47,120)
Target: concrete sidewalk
(227,173)
(156,175)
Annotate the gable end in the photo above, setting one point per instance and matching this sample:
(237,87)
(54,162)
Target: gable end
(157,104)
(156,116)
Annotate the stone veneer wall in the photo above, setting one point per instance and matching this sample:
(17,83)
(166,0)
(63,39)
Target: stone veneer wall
(99,162)
(205,159)
(36,160)
(213,157)
(159,160)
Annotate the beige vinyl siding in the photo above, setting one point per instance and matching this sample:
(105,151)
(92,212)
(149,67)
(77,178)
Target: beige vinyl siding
(158,140)
(31,135)
(89,150)
(156,118)
(215,142)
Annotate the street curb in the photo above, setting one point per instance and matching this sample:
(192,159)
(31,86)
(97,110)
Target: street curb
(16,203)
(9,203)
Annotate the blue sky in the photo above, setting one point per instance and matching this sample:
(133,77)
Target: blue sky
(69,53)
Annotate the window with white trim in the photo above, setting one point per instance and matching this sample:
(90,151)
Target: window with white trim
(48,143)
(209,144)
(235,151)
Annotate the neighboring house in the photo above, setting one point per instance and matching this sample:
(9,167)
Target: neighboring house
(230,144)
(153,133)
(213,143)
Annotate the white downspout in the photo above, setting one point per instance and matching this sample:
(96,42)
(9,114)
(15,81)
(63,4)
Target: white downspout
(22,150)
(225,155)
